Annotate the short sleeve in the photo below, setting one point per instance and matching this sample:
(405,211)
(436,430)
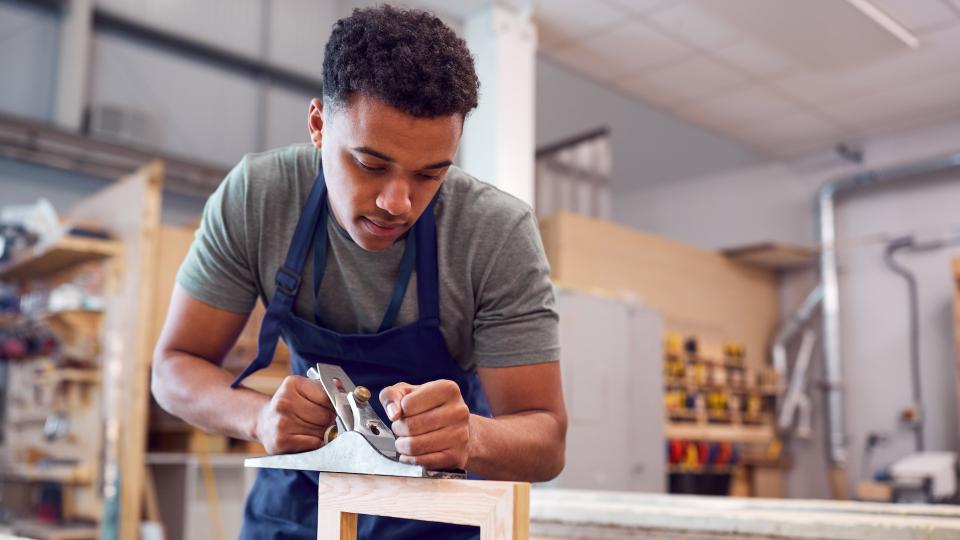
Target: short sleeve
(516,322)
(218,269)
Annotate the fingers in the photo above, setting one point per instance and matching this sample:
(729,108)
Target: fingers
(311,390)
(286,444)
(430,396)
(392,396)
(451,413)
(449,438)
(445,459)
(297,398)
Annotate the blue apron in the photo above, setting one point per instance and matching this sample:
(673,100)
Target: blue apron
(283,503)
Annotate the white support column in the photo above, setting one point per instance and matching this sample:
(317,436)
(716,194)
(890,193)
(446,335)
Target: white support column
(498,141)
(76,29)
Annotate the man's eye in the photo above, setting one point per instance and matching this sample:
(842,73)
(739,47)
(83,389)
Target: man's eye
(368,167)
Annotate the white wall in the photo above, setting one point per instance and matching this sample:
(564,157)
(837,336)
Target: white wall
(28,56)
(776,202)
(650,147)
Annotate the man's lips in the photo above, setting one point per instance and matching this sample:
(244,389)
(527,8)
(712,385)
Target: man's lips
(381,228)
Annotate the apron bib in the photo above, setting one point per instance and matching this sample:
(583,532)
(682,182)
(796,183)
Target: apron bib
(283,504)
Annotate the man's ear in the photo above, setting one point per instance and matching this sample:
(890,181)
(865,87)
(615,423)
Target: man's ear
(315,122)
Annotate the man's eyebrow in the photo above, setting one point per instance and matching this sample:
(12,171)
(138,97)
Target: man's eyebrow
(372,152)
(438,165)
(384,157)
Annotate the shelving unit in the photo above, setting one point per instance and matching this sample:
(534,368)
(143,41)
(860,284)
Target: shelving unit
(45,531)
(40,390)
(61,253)
(62,474)
(99,375)
(718,416)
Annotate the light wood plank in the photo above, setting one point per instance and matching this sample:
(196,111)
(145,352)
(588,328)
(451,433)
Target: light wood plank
(774,256)
(698,292)
(130,210)
(956,330)
(57,254)
(760,434)
(496,507)
(341,525)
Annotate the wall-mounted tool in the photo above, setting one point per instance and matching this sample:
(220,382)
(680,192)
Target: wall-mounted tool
(363,443)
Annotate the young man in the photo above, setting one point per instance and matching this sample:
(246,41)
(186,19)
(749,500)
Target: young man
(372,218)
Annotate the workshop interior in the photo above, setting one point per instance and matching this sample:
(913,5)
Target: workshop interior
(749,209)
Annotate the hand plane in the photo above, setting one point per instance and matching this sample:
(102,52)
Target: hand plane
(359,443)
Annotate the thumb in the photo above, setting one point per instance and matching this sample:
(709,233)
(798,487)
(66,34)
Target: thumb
(390,398)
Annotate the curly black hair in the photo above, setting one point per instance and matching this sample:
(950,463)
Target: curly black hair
(407,58)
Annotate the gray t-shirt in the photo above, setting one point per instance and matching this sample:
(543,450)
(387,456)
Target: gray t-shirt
(497,305)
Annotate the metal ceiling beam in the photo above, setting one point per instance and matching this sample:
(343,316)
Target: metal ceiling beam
(42,144)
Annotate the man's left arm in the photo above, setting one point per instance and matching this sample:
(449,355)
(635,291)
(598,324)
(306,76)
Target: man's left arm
(516,347)
(525,440)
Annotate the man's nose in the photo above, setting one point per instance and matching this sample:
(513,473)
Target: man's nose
(395,197)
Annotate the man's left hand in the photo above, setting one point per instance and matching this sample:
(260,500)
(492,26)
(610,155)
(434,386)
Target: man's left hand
(431,422)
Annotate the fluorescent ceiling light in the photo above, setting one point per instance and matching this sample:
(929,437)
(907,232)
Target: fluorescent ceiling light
(887,22)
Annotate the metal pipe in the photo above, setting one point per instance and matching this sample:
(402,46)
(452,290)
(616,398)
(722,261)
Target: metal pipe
(827,236)
(790,400)
(912,294)
(790,328)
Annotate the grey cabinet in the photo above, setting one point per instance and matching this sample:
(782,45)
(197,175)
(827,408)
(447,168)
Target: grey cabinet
(612,365)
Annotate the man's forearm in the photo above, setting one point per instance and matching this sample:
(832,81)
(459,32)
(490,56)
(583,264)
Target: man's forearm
(199,392)
(521,447)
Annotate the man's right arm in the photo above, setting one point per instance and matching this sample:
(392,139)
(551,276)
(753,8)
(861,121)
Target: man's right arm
(189,382)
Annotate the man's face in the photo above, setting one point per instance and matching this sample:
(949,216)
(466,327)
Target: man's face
(382,166)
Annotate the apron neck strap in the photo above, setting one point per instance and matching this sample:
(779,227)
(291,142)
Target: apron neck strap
(288,281)
(428,283)
(288,275)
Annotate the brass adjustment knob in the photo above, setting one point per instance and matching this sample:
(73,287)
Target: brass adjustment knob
(330,434)
(361,394)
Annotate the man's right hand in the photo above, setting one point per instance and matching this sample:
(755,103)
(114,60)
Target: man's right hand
(296,417)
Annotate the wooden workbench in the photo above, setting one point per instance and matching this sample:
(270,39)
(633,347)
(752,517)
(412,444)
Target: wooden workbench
(557,514)
(956,327)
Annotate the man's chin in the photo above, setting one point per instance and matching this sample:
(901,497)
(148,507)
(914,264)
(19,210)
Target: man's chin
(369,242)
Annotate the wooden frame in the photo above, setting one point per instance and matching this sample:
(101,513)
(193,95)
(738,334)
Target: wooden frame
(500,509)
(130,210)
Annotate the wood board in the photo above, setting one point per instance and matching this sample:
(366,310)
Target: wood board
(699,292)
(956,329)
(57,254)
(774,256)
(130,210)
(500,509)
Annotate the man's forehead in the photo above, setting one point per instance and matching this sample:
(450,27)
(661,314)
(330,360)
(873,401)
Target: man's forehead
(375,126)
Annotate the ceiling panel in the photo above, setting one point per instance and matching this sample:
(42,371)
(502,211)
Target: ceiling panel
(648,91)
(583,60)
(754,58)
(819,34)
(737,107)
(918,15)
(640,7)
(628,48)
(694,25)
(893,105)
(562,20)
(937,53)
(694,78)
(786,77)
